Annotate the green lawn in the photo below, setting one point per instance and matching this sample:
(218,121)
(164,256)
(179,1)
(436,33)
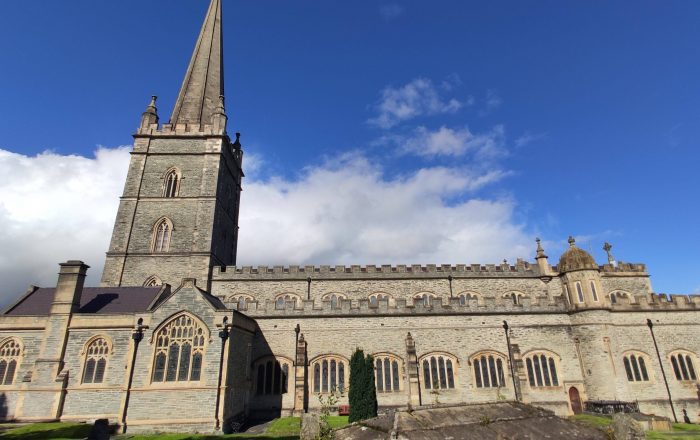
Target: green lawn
(592,421)
(41,431)
(680,431)
(337,421)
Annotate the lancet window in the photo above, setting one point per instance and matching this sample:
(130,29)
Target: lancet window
(425,299)
(635,367)
(179,350)
(438,372)
(489,370)
(542,370)
(464,298)
(329,374)
(594,292)
(10,356)
(96,356)
(241,301)
(171,188)
(683,367)
(282,300)
(579,292)
(387,373)
(334,298)
(162,234)
(272,376)
(376,297)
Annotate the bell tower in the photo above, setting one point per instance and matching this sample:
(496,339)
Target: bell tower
(178,215)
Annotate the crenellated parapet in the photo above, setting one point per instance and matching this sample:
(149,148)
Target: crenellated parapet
(181,129)
(400,307)
(386,271)
(656,302)
(624,268)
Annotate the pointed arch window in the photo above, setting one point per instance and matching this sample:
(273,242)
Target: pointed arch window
(335,299)
(286,298)
(542,370)
(179,350)
(464,298)
(152,281)
(96,356)
(579,292)
(594,292)
(162,235)
(636,367)
(387,373)
(683,366)
(489,370)
(426,299)
(376,297)
(10,356)
(171,187)
(272,376)
(438,372)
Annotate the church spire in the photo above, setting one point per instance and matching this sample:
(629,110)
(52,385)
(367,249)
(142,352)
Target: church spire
(204,80)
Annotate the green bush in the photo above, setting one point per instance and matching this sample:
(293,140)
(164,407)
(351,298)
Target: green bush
(363,394)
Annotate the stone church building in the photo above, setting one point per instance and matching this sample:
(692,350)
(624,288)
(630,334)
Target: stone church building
(177,337)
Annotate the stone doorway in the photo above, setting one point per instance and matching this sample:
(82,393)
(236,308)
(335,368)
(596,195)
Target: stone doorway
(575,400)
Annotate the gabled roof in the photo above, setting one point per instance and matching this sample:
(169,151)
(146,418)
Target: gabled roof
(100,300)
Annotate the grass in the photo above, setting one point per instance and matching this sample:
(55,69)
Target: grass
(592,421)
(42,431)
(680,431)
(285,426)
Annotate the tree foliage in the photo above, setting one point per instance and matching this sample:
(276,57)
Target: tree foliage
(363,394)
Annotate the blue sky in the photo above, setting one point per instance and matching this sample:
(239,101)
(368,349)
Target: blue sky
(574,117)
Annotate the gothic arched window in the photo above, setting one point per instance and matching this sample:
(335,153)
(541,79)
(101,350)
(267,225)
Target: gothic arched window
(379,296)
(334,298)
(635,367)
(465,297)
(329,373)
(179,351)
(515,297)
(387,373)
(272,376)
(286,298)
(683,368)
(594,292)
(241,301)
(162,234)
(579,292)
(438,371)
(542,369)
(489,370)
(152,281)
(10,356)
(171,187)
(425,299)
(96,355)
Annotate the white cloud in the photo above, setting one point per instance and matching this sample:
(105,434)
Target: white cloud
(491,102)
(349,212)
(390,11)
(55,208)
(417,98)
(528,138)
(447,141)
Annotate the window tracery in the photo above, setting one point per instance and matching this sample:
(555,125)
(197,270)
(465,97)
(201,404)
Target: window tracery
(387,373)
(10,356)
(162,235)
(286,298)
(152,281)
(683,367)
(438,371)
(379,296)
(465,297)
(635,367)
(426,299)
(329,373)
(171,187)
(272,376)
(489,370)
(334,298)
(542,369)
(241,301)
(96,356)
(179,350)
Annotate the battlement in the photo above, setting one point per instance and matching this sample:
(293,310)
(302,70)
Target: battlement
(401,307)
(521,269)
(657,302)
(621,267)
(169,130)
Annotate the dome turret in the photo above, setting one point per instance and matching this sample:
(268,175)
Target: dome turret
(576,258)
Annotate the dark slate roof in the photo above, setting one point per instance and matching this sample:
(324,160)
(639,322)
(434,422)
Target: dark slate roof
(103,300)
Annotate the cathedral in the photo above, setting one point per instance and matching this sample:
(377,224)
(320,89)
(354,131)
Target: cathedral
(179,338)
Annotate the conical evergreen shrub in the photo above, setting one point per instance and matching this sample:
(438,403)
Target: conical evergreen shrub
(363,394)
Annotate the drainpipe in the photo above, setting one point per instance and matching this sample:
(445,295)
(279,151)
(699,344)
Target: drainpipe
(510,361)
(223,334)
(663,372)
(137,336)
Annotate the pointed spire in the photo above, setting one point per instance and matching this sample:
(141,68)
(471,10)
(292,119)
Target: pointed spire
(540,250)
(150,116)
(204,80)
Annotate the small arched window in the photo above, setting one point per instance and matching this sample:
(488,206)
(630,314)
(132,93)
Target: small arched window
(10,356)
(438,371)
(329,373)
(162,235)
(489,370)
(286,298)
(152,281)
(96,356)
(272,376)
(334,298)
(579,292)
(426,299)
(179,350)
(171,187)
(465,297)
(515,297)
(379,296)
(683,366)
(387,373)
(614,296)
(240,301)
(542,370)
(594,292)
(635,367)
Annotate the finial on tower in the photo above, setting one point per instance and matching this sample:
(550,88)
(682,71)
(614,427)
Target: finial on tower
(607,247)
(540,250)
(572,242)
(150,116)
